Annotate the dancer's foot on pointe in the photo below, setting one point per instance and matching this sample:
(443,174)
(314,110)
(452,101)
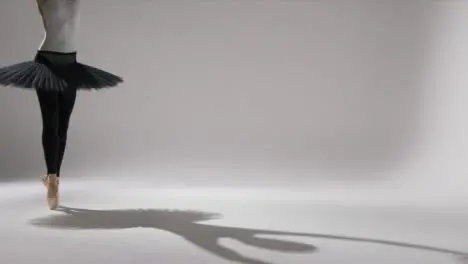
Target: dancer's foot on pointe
(51,182)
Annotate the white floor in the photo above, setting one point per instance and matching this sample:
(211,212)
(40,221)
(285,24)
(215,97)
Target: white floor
(120,223)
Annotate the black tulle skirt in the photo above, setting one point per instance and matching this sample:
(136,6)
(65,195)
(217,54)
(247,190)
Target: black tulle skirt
(56,71)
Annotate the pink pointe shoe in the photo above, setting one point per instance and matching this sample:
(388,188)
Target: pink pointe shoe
(51,182)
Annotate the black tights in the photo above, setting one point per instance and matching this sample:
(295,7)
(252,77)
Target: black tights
(56,109)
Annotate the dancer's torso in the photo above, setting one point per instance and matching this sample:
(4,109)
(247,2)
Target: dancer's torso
(61,19)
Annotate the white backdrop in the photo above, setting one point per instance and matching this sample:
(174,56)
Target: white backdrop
(277,93)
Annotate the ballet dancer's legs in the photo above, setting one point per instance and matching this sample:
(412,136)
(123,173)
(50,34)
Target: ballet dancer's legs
(56,109)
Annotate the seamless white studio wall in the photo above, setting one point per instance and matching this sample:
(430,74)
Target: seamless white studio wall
(311,91)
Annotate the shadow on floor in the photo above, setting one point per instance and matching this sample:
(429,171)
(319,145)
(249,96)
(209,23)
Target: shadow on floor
(185,223)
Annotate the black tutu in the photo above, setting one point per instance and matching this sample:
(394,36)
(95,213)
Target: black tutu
(56,71)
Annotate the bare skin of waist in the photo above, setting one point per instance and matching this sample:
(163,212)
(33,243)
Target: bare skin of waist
(60,20)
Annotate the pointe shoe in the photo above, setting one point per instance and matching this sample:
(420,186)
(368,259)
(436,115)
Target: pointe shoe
(51,182)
